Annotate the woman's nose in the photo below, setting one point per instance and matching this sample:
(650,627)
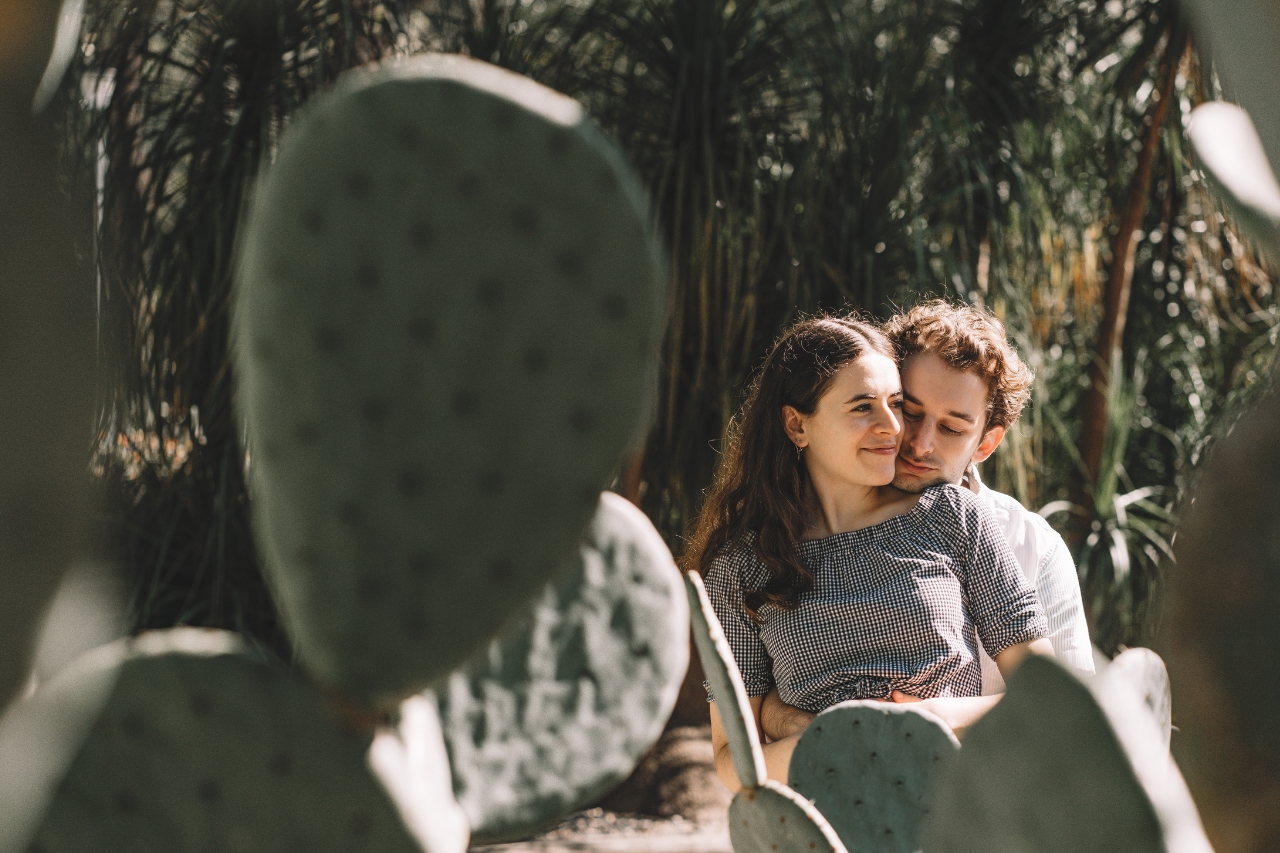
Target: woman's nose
(888,421)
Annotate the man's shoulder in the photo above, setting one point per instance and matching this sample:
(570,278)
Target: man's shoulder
(1021,526)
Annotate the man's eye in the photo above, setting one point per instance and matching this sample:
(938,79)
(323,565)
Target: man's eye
(949,431)
(911,416)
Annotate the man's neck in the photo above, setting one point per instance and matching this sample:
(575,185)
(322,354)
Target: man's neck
(970,480)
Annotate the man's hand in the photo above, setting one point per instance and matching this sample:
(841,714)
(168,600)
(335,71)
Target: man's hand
(780,720)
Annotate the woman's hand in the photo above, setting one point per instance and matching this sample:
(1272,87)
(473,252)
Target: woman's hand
(777,755)
(779,720)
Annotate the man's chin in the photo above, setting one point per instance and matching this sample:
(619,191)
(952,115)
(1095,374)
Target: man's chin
(912,484)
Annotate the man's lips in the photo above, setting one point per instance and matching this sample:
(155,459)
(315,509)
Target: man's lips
(913,468)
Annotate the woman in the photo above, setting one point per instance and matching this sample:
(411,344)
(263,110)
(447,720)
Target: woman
(829,582)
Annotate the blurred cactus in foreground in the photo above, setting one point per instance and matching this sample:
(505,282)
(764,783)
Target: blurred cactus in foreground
(559,710)
(442,361)
(446,336)
(46,360)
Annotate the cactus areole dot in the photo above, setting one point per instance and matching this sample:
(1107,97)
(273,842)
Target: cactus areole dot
(448,309)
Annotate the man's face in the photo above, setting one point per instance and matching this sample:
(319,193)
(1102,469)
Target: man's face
(944,414)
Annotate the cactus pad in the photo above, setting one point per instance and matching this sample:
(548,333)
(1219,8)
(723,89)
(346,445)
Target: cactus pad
(1063,765)
(726,686)
(1220,631)
(559,710)
(869,768)
(201,747)
(1232,156)
(1146,672)
(449,304)
(773,818)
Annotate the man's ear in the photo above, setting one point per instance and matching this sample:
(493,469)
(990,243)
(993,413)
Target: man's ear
(990,441)
(793,423)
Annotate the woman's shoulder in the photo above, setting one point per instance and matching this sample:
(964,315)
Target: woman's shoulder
(737,562)
(952,507)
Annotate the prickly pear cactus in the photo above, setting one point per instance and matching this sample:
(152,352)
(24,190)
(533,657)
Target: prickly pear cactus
(559,710)
(869,768)
(1219,632)
(47,361)
(448,310)
(1063,765)
(774,818)
(198,747)
(1231,154)
(1146,673)
(726,686)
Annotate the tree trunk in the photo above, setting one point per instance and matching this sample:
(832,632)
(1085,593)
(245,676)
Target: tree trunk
(1095,413)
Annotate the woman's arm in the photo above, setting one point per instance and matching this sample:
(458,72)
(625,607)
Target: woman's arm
(779,720)
(1009,659)
(777,755)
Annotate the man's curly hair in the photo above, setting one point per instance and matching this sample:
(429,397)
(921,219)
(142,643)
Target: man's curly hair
(970,339)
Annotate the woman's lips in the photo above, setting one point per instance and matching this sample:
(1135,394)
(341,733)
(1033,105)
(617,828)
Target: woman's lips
(886,450)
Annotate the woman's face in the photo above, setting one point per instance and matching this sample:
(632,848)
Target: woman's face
(852,436)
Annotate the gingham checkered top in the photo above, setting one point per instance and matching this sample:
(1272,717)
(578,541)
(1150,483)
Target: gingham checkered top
(896,606)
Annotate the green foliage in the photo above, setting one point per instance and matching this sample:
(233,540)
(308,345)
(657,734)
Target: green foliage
(1130,532)
(799,154)
(180,104)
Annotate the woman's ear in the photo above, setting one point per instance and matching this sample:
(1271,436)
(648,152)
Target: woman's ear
(793,423)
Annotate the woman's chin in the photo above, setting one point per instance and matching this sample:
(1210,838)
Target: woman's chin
(877,474)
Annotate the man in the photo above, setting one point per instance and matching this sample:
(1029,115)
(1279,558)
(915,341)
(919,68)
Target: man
(963,388)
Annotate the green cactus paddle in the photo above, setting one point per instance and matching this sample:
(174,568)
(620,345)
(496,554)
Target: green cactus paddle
(448,310)
(559,710)
(765,816)
(179,741)
(1063,765)
(869,768)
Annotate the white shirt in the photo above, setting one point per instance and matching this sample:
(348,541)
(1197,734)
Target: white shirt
(1047,564)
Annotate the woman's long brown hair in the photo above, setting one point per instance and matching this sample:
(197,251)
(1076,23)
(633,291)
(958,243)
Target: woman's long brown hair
(762,484)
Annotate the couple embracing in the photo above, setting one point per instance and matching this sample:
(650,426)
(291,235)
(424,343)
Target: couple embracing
(848,545)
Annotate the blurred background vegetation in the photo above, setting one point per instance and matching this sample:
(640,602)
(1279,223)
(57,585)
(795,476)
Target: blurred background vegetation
(799,154)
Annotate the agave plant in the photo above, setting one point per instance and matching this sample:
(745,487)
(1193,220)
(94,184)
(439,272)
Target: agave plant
(1131,531)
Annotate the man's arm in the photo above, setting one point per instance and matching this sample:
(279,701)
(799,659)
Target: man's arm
(777,755)
(959,713)
(1009,659)
(1058,587)
(779,720)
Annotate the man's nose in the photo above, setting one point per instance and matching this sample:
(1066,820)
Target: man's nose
(919,439)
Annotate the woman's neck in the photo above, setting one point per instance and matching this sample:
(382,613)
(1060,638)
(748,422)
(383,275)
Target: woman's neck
(842,507)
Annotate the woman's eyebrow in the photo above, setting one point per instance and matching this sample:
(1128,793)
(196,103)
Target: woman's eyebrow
(855,398)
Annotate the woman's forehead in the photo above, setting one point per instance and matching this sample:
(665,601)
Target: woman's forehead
(871,373)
